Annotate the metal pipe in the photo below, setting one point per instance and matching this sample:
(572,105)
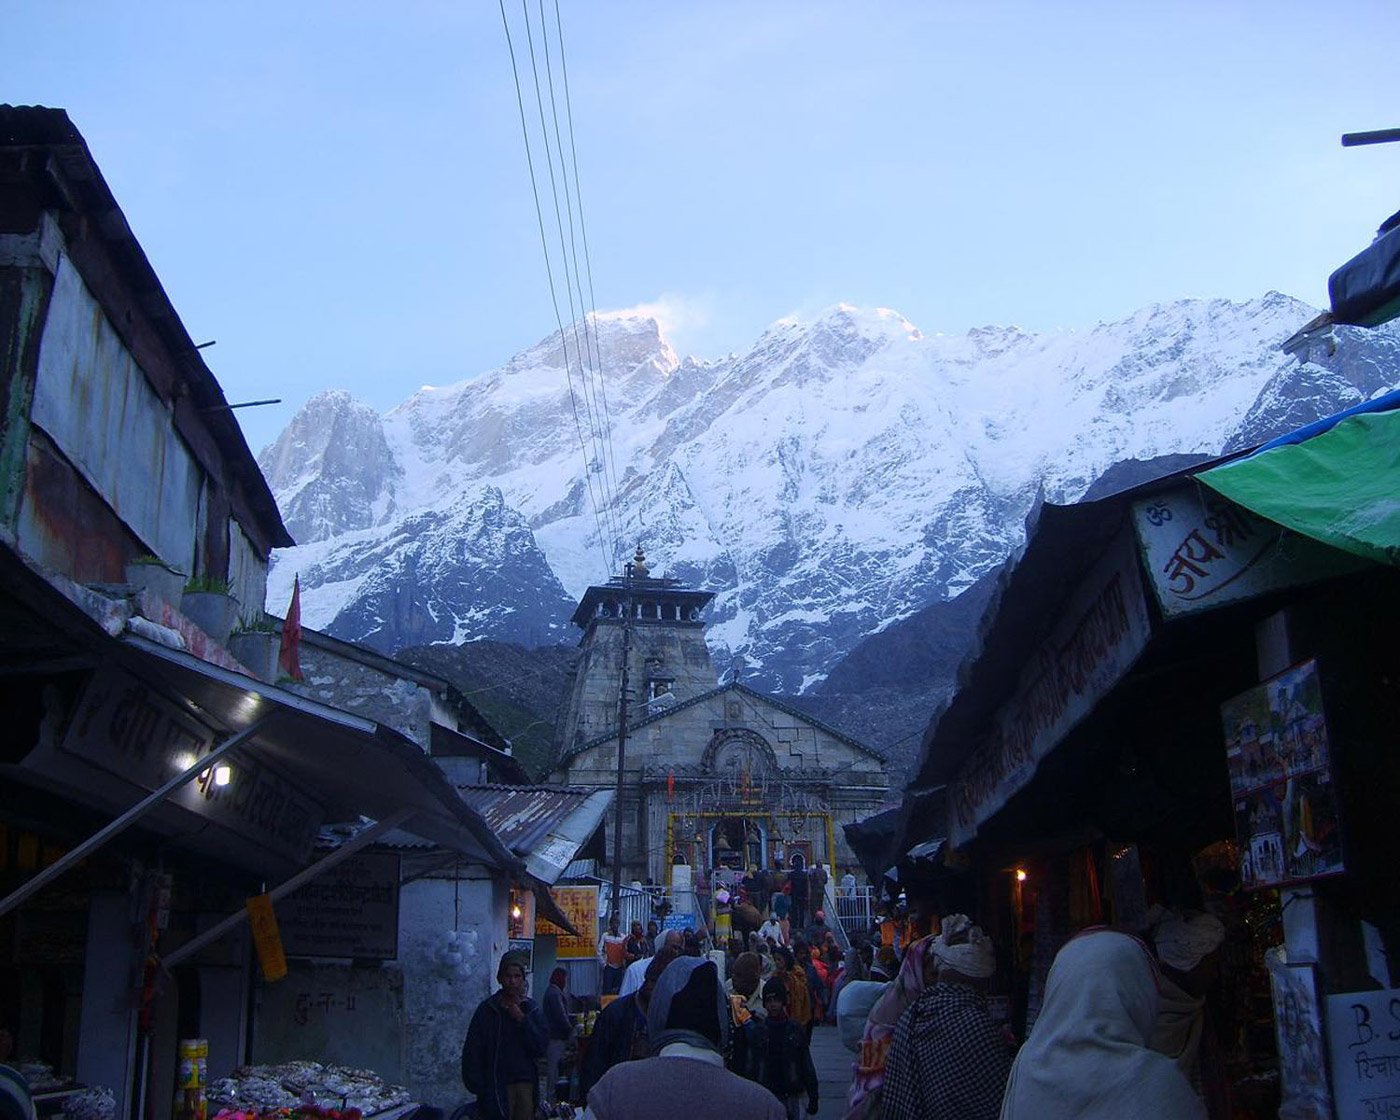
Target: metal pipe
(305,875)
(128,818)
(1380,136)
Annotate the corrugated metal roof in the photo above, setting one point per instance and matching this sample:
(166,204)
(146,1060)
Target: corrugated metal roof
(544,825)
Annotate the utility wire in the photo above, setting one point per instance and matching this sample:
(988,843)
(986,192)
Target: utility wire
(583,235)
(553,297)
(568,287)
(591,304)
(591,375)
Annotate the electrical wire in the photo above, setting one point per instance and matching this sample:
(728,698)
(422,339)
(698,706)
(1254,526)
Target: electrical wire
(589,372)
(549,273)
(592,303)
(564,259)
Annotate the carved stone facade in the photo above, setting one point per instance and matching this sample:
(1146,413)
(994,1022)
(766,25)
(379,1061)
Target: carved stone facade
(713,774)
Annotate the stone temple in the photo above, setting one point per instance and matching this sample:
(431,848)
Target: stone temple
(714,775)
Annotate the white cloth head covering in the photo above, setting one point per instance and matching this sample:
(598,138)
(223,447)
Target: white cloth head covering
(1184,940)
(963,947)
(1087,1056)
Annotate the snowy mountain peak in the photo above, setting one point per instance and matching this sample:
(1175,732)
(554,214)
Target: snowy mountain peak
(615,343)
(331,468)
(842,473)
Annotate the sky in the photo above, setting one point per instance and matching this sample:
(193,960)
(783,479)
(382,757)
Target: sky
(338,192)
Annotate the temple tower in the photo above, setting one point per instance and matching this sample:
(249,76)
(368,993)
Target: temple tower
(668,661)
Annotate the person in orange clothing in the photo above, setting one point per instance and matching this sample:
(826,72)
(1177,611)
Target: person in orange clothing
(799,990)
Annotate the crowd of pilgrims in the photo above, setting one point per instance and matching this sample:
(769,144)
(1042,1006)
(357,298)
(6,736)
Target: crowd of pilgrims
(699,1031)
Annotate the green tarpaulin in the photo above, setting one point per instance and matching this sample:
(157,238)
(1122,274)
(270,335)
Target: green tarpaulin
(1341,487)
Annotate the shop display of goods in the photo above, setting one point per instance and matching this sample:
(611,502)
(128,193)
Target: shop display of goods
(41,1077)
(307,1089)
(91,1104)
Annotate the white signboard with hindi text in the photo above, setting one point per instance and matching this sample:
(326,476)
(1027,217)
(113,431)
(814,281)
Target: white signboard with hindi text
(1203,551)
(1101,631)
(1363,1045)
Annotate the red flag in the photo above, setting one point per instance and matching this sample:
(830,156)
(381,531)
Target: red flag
(670,785)
(289,656)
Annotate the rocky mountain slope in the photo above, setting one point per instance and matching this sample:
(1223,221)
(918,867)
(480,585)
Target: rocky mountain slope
(837,477)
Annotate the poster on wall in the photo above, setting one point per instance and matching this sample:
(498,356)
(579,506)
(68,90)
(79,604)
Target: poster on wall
(1276,745)
(1298,1030)
(580,906)
(1363,1039)
(523,947)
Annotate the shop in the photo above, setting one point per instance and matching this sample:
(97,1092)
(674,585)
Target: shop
(149,797)
(1187,701)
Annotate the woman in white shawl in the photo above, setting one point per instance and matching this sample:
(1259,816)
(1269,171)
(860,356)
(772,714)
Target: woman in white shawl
(1088,1055)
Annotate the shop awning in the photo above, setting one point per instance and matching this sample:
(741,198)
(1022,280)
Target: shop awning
(872,840)
(1337,481)
(150,711)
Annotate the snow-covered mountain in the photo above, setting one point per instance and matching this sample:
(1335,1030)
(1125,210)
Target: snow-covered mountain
(838,476)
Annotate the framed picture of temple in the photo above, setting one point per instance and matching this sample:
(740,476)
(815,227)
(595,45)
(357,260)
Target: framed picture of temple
(1279,758)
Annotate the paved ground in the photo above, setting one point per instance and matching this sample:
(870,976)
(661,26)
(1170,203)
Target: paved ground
(833,1062)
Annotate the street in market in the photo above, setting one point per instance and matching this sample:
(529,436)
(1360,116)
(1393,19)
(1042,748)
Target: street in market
(998,724)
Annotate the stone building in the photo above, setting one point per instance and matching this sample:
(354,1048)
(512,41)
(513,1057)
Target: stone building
(714,774)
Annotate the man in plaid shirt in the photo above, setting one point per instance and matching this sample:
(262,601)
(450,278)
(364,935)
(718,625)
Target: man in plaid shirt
(948,1059)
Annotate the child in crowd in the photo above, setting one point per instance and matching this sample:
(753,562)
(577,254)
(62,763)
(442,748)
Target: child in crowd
(775,1053)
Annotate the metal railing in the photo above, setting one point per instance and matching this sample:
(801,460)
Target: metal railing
(855,909)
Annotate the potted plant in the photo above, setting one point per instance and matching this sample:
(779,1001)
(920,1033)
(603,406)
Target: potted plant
(255,645)
(207,603)
(151,573)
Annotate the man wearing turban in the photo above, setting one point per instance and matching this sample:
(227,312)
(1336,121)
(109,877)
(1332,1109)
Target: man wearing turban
(1187,944)
(948,1058)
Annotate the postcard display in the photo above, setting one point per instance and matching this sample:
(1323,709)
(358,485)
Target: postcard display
(1285,802)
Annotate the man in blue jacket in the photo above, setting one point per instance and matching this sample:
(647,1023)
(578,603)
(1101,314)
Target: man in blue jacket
(504,1042)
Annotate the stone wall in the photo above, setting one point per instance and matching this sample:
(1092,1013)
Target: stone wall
(365,691)
(668,650)
(438,1005)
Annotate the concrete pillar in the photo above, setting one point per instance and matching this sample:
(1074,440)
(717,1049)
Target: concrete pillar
(107,1030)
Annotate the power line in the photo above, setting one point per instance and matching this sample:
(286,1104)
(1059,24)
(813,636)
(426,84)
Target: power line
(588,373)
(592,303)
(564,255)
(553,296)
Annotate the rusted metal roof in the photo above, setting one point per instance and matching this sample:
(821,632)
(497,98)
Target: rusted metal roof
(544,825)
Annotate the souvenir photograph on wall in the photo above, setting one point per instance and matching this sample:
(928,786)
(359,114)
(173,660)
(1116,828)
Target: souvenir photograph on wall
(1281,780)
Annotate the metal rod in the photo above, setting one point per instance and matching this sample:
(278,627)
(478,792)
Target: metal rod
(203,345)
(240,404)
(128,818)
(305,875)
(1380,136)
(622,738)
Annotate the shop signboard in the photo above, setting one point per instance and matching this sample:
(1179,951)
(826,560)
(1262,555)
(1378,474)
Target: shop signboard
(350,910)
(135,734)
(1100,633)
(681,922)
(1203,551)
(1363,1043)
(580,906)
(1286,817)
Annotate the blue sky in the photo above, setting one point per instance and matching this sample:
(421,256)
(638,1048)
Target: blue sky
(337,192)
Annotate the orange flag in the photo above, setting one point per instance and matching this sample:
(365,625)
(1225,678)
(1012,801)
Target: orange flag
(289,656)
